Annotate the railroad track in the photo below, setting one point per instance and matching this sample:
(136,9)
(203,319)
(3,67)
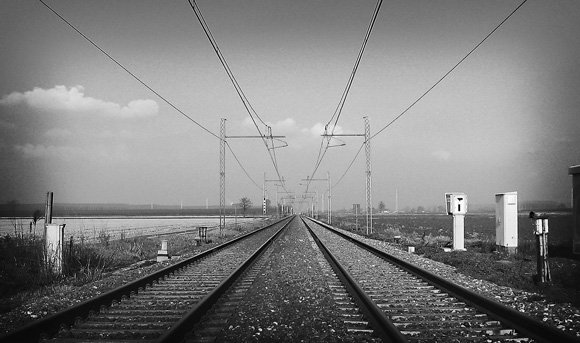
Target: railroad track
(407,304)
(161,307)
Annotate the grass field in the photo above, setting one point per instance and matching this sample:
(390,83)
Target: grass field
(91,229)
(479,227)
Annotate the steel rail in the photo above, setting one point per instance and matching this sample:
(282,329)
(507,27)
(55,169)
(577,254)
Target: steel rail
(50,325)
(526,325)
(382,325)
(178,331)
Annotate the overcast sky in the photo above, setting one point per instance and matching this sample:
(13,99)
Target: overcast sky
(75,123)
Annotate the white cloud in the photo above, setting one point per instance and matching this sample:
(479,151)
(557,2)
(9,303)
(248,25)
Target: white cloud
(42,151)
(442,155)
(284,126)
(74,100)
(318,129)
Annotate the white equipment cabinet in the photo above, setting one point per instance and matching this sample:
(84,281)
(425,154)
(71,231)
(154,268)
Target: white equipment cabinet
(506,221)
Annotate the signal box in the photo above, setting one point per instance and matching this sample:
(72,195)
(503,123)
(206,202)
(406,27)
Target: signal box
(456,203)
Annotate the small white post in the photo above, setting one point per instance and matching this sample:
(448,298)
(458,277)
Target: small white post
(55,246)
(458,232)
(163,255)
(456,205)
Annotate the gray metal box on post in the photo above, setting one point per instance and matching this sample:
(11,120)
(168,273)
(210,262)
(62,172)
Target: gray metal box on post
(506,221)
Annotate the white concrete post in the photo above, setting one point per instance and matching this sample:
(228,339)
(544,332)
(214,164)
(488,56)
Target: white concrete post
(163,255)
(55,246)
(458,232)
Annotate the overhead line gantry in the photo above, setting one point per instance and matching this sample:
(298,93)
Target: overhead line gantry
(308,180)
(223,138)
(367,136)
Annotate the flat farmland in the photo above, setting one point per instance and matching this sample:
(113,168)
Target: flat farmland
(478,226)
(91,228)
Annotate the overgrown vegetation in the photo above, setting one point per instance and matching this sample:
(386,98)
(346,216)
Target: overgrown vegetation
(481,259)
(25,266)
(25,269)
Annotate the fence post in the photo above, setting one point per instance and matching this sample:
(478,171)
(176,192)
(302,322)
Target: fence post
(48,211)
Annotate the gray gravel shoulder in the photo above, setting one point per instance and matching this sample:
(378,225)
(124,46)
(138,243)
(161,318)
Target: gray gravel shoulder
(563,316)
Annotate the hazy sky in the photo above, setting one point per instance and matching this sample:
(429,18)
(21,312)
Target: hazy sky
(75,123)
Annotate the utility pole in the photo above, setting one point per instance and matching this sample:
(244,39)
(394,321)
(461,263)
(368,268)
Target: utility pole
(367,142)
(223,138)
(329,199)
(369,178)
(222,175)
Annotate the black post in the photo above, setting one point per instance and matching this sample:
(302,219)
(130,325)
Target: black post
(48,210)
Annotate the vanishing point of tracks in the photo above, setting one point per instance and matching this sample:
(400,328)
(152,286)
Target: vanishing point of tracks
(375,294)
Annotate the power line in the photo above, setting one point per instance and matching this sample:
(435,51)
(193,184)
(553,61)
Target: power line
(340,106)
(430,89)
(350,165)
(249,109)
(342,101)
(449,72)
(128,71)
(215,46)
(241,166)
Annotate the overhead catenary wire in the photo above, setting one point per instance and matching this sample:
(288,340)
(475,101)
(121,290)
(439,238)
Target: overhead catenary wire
(338,111)
(241,166)
(432,87)
(249,109)
(146,85)
(128,71)
(449,72)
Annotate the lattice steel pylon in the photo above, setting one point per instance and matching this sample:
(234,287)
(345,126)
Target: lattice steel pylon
(222,174)
(329,198)
(369,203)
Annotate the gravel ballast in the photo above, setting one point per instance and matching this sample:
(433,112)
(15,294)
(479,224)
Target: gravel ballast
(290,301)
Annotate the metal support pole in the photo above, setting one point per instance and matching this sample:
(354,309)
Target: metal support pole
(369,203)
(329,199)
(222,175)
(367,136)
